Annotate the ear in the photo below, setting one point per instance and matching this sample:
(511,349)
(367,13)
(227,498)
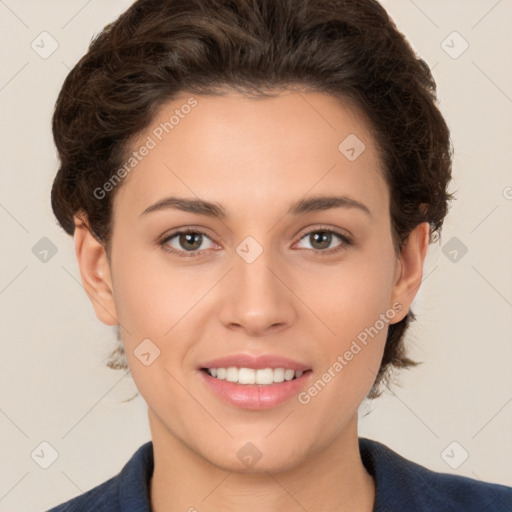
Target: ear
(95,271)
(409,268)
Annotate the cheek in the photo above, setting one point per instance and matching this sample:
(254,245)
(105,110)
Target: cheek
(149,297)
(356,307)
(357,292)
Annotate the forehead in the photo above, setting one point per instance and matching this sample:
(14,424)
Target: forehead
(233,148)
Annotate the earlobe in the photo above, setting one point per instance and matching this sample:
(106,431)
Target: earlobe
(409,268)
(95,272)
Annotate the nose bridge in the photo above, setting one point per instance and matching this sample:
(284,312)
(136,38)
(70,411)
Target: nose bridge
(252,272)
(257,299)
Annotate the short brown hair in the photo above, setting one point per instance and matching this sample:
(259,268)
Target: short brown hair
(350,49)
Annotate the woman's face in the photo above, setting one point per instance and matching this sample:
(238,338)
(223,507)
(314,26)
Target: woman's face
(277,276)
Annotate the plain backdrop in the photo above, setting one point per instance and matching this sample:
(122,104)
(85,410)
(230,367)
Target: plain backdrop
(451,414)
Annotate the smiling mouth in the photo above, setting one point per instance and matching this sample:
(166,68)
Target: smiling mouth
(248,376)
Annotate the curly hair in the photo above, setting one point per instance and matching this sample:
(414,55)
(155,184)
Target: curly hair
(349,49)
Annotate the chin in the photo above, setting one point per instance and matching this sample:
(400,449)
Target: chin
(275,463)
(253,457)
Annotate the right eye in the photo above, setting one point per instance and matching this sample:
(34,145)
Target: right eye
(185,241)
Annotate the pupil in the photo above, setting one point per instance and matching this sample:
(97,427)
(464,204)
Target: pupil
(322,234)
(189,237)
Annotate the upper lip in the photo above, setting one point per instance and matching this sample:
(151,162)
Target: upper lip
(255,362)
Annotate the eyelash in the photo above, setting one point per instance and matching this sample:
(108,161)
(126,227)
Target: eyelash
(187,254)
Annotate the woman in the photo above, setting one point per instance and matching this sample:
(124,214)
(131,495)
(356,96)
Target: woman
(252,187)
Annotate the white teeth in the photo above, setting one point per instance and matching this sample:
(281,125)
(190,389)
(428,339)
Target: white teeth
(246,376)
(289,374)
(232,374)
(279,375)
(263,376)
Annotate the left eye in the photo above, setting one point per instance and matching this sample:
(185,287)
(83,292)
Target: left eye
(323,239)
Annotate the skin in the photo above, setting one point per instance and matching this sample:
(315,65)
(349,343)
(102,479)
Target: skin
(255,157)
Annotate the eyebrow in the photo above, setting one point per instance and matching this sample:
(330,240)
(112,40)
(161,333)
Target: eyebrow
(211,209)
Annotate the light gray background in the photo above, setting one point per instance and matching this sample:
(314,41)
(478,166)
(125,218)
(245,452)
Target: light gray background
(55,387)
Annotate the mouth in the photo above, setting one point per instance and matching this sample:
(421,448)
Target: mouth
(252,376)
(255,389)
(257,382)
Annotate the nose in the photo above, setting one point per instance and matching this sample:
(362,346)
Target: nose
(257,298)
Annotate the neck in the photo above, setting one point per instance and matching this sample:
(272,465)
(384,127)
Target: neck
(333,478)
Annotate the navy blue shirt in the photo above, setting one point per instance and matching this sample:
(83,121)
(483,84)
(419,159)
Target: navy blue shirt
(401,486)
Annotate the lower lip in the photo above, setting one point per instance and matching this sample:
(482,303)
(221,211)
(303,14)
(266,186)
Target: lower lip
(256,397)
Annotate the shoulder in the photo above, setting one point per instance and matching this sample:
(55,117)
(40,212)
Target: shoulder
(127,491)
(405,485)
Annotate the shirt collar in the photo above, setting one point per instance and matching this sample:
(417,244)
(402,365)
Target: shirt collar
(134,482)
(394,477)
